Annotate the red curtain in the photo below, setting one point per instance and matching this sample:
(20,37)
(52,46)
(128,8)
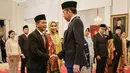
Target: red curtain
(93,29)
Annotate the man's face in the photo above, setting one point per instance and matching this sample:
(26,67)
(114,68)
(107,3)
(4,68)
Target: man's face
(102,30)
(41,25)
(119,23)
(26,30)
(66,15)
(118,31)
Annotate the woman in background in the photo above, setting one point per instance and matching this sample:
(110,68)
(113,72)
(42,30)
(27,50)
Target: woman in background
(110,57)
(54,66)
(123,58)
(13,52)
(91,49)
(124,45)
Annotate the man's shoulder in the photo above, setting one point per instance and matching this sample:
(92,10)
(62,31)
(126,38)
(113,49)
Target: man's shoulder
(21,35)
(77,18)
(32,33)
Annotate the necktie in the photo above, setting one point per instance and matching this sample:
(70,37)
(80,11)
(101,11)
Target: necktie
(44,40)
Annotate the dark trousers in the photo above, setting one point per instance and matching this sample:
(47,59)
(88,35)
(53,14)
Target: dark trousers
(115,62)
(23,64)
(3,55)
(36,71)
(101,64)
(70,69)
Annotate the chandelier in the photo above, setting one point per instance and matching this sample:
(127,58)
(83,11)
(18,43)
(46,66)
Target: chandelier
(98,19)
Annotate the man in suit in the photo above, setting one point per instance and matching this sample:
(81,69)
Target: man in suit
(100,41)
(23,42)
(37,47)
(73,49)
(118,48)
(2,44)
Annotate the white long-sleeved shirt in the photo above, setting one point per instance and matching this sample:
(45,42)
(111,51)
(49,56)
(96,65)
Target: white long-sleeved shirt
(12,47)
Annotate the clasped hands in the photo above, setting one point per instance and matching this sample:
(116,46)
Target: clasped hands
(54,57)
(76,68)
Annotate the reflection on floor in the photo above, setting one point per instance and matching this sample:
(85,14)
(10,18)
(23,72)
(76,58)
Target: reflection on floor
(4,68)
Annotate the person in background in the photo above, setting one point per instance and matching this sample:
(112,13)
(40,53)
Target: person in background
(117,40)
(13,52)
(2,45)
(37,47)
(100,41)
(90,47)
(108,68)
(124,46)
(56,39)
(23,42)
(122,60)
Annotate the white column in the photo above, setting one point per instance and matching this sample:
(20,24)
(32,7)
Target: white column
(128,4)
(20,18)
(7,26)
(60,19)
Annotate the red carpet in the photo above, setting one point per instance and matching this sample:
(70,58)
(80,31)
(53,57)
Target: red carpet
(5,69)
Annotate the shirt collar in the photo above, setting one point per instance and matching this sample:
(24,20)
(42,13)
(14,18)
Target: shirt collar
(72,18)
(39,31)
(26,35)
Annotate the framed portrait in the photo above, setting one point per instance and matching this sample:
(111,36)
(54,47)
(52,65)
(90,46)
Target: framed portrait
(120,20)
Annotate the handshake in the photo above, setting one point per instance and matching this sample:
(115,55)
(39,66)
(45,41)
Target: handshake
(53,57)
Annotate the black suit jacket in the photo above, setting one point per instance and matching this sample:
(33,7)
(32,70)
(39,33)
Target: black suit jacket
(73,50)
(118,44)
(101,44)
(23,42)
(37,54)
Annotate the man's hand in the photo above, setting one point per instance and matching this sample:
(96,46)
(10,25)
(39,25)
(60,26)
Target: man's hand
(76,68)
(55,56)
(98,57)
(23,57)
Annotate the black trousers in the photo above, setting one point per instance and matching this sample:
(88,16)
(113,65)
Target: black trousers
(101,64)
(116,62)
(36,71)
(23,64)
(3,55)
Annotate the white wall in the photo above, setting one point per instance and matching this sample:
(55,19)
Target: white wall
(47,7)
(52,9)
(6,9)
(13,15)
(120,6)
(128,3)
(31,24)
(88,16)
(90,4)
